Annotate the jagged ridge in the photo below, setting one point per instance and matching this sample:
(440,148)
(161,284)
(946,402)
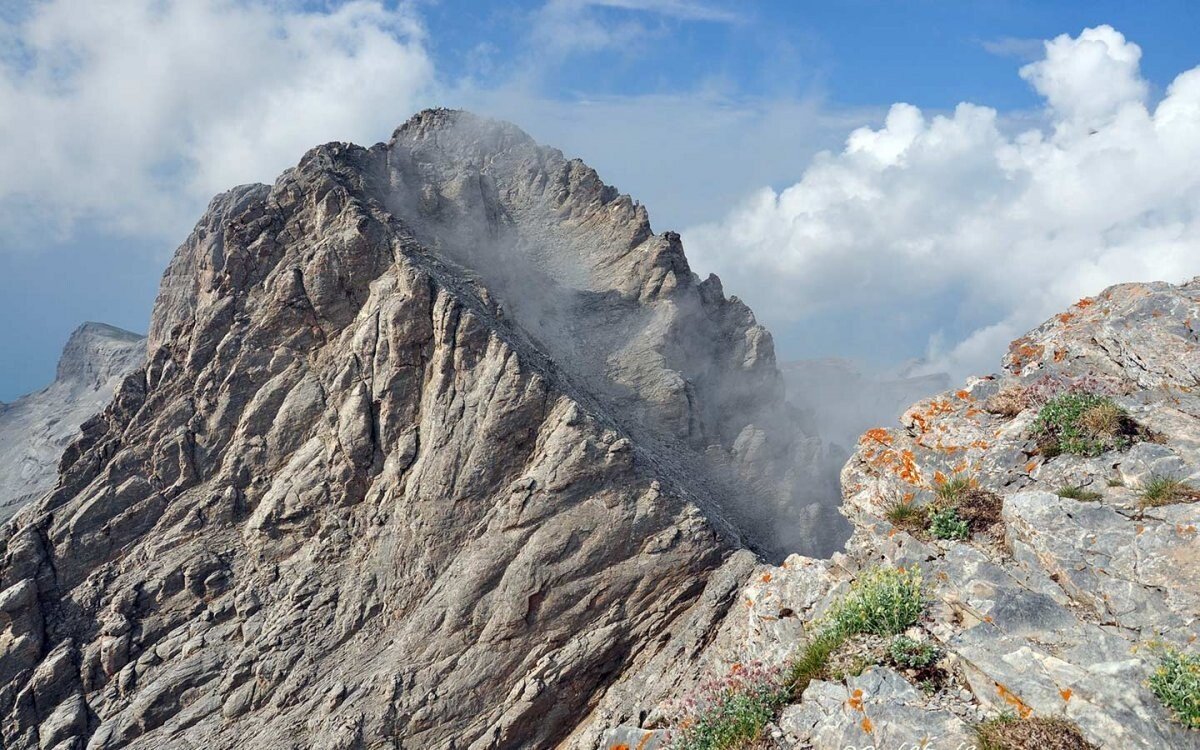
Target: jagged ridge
(369,489)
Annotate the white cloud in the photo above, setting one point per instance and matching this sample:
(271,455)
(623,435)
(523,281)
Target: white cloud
(973,234)
(573,26)
(134,112)
(1086,80)
(687,156)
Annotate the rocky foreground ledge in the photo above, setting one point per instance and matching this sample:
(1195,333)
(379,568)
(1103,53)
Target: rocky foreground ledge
(1059,605)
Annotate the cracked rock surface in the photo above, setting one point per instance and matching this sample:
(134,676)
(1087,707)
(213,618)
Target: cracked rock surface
(1051,611)
(435,445)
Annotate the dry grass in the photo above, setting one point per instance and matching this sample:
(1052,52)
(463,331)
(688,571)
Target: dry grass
(1009,733)
(906,517)
(980,508)
(1008,402)
(1163,490)
(1105,419)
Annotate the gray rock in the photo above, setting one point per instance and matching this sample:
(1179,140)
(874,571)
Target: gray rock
(436,443)
(1053,611)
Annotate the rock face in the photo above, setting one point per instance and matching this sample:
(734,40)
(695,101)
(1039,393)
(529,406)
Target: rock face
(35,429)
(436,443)
(1053,611)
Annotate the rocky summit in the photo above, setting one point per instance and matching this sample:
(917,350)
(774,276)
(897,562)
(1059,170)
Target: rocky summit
(1076,566)
(36,428)
(436,442)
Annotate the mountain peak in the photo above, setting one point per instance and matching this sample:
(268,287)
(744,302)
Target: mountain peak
(94,351)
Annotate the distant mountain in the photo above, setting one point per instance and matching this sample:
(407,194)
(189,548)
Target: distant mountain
(36,428)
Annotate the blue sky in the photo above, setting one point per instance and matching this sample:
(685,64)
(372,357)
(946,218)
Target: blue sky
(692,107)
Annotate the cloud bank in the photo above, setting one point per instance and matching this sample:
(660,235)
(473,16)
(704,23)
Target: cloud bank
(134,112)
(955,225)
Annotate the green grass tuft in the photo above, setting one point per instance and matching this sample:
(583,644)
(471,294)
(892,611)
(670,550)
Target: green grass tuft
(1077,493)
(954,487)
(1164,490)
(906,516)
(810,662)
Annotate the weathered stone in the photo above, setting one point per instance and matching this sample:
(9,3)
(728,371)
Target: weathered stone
(442,422)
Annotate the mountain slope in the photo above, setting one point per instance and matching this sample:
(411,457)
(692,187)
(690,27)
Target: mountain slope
(435,441)
(36,428)
(1060,600)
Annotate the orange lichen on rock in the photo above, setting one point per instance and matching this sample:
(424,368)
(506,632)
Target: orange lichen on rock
(963,395)
(1011,699)
(1060,355)
(940,406)
(1029,467)
(1021,352)
(856,701)
(766,578)
(1065,318)
(939,478)
(867,725)
(877,435)
(1066,694)
(1085,303)
(908,467)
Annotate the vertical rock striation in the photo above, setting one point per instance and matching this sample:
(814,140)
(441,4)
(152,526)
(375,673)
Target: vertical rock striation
(435,442)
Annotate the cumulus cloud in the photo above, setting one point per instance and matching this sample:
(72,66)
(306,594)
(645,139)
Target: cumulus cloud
(959,234)
(134,112)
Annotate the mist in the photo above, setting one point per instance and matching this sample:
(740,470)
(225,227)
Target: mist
(574,268)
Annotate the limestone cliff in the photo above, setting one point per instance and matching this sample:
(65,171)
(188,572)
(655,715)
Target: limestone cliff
(435,442)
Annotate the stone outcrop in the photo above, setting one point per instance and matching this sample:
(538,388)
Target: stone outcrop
(35,429)
(436,443)
(1055,610)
